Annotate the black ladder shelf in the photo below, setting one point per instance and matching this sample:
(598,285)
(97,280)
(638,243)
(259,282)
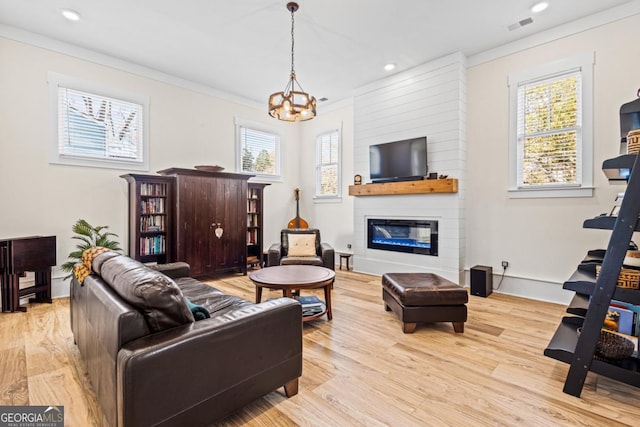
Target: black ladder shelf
(578,350)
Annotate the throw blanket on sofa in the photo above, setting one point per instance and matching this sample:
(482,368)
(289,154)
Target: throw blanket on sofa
(199,312)
(81,271)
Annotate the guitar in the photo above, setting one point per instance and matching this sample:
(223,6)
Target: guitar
(297,222)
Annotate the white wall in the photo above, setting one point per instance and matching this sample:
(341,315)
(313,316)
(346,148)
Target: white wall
(428,100)
(332,217)
(542,239)
(187,128)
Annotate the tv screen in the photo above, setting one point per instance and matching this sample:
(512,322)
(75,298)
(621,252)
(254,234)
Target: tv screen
(398,160)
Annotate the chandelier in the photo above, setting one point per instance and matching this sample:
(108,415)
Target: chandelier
(292,104)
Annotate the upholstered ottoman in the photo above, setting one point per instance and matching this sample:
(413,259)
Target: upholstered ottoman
(424,298)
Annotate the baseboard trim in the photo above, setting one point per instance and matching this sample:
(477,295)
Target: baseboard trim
(534,289)
(517,286)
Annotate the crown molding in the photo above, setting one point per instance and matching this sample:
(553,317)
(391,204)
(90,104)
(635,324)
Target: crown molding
(580,25)
(22,36)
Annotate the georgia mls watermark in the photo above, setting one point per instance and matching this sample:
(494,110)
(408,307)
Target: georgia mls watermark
(31,416)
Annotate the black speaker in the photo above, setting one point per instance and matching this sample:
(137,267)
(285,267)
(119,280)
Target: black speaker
(481,280)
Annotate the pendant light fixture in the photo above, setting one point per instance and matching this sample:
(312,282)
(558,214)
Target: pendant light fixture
(291,104)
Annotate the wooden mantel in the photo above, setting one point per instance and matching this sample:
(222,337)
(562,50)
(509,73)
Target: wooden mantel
(426,186)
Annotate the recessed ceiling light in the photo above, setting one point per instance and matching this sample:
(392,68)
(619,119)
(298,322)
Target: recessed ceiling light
(389,67)
(71,15)
(539,7)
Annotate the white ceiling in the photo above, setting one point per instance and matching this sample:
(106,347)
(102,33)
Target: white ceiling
(243,47)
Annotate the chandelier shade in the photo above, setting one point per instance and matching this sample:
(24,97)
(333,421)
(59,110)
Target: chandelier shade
(293,103)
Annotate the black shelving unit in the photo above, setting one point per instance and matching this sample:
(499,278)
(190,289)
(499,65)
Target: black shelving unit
(593,295)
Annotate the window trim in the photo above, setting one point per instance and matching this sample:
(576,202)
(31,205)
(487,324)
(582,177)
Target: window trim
(328,198)
(55,80)
(583,62)
(238,123)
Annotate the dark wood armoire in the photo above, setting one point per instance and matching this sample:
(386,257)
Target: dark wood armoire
(210,220)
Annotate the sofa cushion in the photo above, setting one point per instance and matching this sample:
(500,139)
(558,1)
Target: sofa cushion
(216,302)
(301,245)
(157,296)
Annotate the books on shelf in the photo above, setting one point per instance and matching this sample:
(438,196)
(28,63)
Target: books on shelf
(152,223)
(152,206)
(151,189)
(312,311)
(616,204)
(635,314)
(310,300)
(152,245)
(311,305)
(624,319)
(620,319)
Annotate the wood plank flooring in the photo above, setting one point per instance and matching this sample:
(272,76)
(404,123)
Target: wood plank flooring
(359,369)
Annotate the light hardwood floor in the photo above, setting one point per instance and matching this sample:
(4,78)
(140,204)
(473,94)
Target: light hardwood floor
(359,369)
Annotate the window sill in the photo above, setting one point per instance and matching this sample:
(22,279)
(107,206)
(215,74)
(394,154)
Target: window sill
(98,163)
(258,178)
(328,199)
(547,193)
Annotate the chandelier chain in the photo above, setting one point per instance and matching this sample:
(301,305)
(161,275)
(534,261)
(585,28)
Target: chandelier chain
(293,71)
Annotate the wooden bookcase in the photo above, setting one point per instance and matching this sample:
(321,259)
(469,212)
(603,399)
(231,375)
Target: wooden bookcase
(255,224)
(150,217)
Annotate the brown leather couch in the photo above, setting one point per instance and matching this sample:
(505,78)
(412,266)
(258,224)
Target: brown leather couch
(151,363)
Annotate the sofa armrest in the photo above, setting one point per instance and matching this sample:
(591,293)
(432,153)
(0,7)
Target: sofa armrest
(328,256)
(204,370)
(274,255)
(174,270)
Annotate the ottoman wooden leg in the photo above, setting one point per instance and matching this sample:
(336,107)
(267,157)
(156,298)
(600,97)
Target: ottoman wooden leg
(387,308)
(408,328)
(458,327)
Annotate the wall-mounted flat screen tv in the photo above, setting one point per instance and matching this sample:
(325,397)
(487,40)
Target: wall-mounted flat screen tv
(404,160)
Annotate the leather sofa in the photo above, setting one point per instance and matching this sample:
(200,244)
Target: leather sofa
(151,363)
(321,254)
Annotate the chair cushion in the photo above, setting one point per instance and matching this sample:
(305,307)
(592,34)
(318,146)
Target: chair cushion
(302,245)
(302,260)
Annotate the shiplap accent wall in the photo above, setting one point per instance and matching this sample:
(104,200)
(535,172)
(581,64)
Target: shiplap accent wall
(429,100)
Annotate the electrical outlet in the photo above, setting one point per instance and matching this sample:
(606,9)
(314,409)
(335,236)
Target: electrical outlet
(505,264)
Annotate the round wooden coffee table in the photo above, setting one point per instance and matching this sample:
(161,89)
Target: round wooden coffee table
(291,278)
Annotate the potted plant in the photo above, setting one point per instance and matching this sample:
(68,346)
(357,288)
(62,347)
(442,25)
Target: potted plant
(89,237)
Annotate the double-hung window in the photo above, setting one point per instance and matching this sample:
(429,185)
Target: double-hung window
(328,165)
(258,151)
(550,135)
(97,126)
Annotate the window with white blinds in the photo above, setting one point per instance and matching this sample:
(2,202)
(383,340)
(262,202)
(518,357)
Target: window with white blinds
(93,128)
(328,164)
(550,151)
(549,131)
(259,151)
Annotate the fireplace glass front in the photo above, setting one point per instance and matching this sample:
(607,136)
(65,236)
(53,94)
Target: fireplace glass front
(400,235)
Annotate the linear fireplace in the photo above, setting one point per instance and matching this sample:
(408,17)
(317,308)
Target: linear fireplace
(400,235)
